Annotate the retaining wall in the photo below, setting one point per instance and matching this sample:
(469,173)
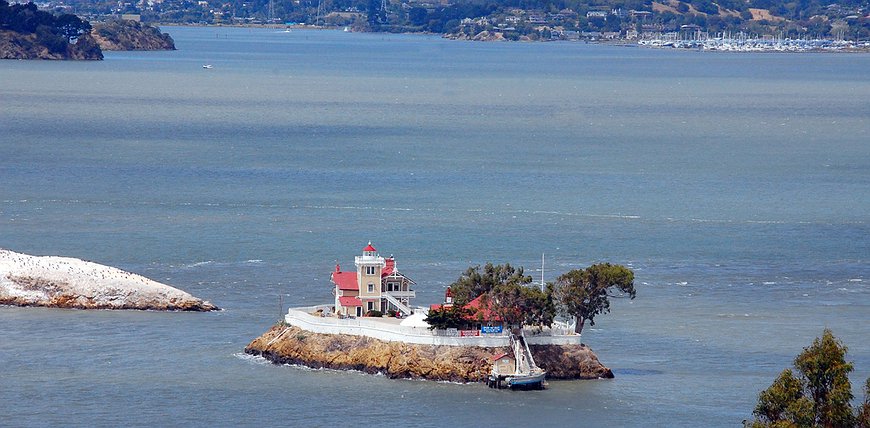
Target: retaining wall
(302,318)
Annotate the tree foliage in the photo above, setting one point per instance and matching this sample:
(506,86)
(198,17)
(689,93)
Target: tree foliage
(819,396)
(864,410)
(506,293)
(585,293)
(52,31)
(475,282)
(447,317)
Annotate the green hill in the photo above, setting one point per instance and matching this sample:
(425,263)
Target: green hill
(29,33)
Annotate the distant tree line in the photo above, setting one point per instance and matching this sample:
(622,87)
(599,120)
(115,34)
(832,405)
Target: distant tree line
(822,18)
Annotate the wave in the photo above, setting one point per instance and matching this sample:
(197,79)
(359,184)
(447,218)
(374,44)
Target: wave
(251,358)
(615,216)
(197,264)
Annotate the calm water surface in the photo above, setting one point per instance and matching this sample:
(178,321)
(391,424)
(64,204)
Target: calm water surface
(736,186)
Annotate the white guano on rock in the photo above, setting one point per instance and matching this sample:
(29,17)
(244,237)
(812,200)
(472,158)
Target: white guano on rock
(65,282)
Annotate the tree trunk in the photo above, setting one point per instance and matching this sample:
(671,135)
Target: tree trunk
(578,326)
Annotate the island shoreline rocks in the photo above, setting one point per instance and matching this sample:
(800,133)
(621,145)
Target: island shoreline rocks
(285,344)
(65,282)
(126,35)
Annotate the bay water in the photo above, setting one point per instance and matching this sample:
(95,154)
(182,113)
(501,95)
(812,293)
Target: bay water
(737,186)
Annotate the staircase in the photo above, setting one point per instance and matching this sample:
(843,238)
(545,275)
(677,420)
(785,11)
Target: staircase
(405,310)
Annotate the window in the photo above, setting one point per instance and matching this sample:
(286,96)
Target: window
(370,270)
(371,306)
(371,288)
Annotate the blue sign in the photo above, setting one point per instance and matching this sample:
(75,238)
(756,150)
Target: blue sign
(490,329)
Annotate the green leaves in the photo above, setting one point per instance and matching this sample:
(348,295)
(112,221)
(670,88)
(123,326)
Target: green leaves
(582,293)
(475,282)
(444,318)
(819,396)
(586,293)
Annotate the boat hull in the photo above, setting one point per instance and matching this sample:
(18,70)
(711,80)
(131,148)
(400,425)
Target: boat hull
(531,381)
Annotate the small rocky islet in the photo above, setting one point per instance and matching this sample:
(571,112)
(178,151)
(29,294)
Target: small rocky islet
(70,283)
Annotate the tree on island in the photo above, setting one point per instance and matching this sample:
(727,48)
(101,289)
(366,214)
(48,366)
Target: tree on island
(818,396)
(475,282)
(455,316)
(504,291)
(508,293)
(585,293)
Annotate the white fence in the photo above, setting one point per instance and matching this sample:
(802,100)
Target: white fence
(302,318)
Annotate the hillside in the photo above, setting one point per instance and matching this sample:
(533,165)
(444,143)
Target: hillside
(28,33)
(527,19)
(127,35)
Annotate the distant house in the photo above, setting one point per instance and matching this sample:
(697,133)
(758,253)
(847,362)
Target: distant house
(376,285)
(596,14)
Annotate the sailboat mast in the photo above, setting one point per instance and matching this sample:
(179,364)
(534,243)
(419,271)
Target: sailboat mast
(542,271)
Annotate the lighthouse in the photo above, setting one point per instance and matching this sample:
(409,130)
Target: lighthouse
(369,268)
(376,286)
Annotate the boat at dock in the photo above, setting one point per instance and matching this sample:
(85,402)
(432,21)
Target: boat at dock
(519,372)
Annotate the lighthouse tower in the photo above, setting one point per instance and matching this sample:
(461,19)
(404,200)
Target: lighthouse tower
(369,268)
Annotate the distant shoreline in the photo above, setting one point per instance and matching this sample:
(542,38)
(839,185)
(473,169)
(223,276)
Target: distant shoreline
(606,42)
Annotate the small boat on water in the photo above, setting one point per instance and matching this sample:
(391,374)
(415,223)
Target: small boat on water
(208,66)
(519,372)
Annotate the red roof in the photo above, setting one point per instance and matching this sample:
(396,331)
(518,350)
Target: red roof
(478,310)
(345,280)
(389,268)
(499,356)
(349,301)
(474,308)
(369,247)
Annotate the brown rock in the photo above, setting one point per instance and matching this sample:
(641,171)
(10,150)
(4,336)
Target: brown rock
(126,35)
(291,345)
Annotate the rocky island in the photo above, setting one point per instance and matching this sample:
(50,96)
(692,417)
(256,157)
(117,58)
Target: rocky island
(285,344)
(127,35)
(29,33)
(64,282)
(490,327)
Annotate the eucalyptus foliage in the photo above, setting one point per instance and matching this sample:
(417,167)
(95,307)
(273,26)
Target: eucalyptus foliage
(585,293)
(817,394)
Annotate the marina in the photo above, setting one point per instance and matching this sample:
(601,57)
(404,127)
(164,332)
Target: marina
(694,38)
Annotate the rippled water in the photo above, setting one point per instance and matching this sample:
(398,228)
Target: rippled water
(736,186)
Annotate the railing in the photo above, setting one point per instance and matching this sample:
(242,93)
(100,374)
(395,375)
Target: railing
(327,323)
(402,294)
(402,307)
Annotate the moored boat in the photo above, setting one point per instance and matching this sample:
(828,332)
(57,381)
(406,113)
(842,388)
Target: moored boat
(519,372)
